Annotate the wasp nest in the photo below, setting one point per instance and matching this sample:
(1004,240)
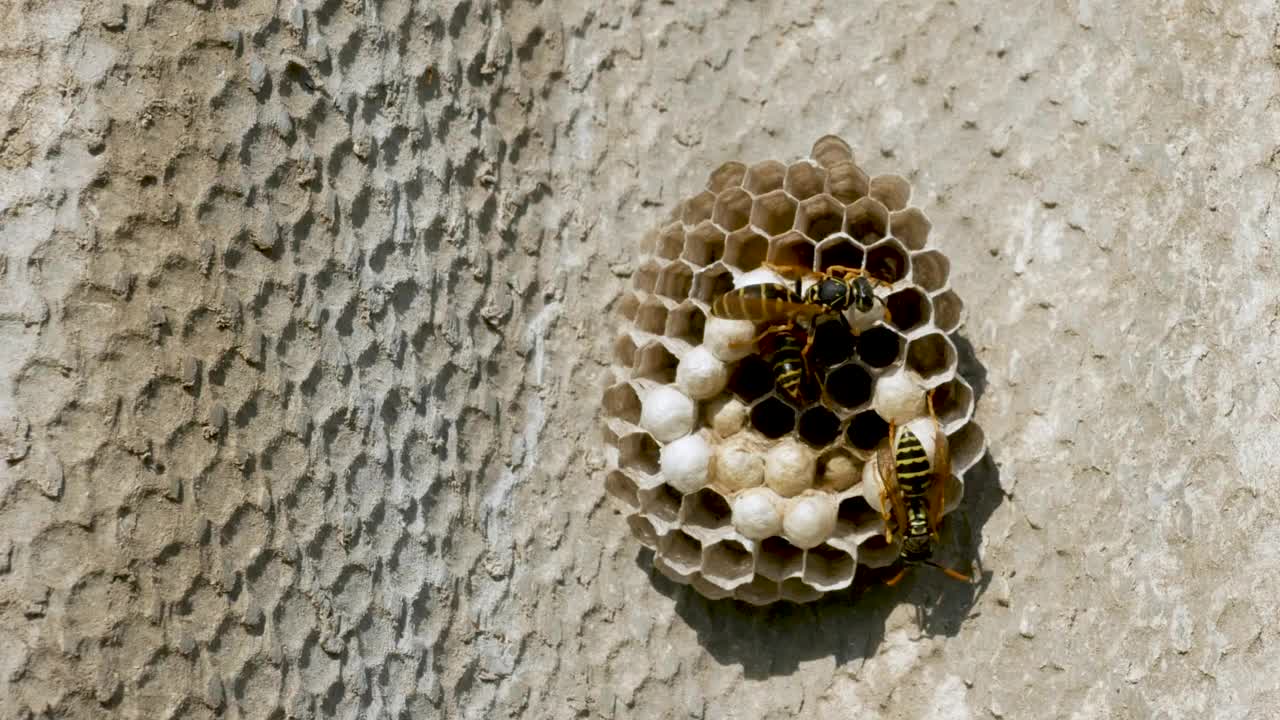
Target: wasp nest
(736,490)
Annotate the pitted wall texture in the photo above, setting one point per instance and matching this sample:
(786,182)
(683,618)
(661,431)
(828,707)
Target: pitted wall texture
(302,308)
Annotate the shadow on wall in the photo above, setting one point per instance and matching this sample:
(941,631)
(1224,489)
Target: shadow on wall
(849,625)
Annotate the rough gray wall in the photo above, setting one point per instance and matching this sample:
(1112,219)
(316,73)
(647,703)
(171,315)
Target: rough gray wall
(302,333)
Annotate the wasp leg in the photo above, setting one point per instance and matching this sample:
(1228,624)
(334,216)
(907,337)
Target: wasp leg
(896,578)
(787,271)
(847,271)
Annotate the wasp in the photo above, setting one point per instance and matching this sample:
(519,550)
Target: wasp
(913,493)
(783,347)
(836,290)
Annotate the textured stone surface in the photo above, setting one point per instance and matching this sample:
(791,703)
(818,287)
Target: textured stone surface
(301,326)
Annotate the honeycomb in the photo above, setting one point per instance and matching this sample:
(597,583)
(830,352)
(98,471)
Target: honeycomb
(738,492)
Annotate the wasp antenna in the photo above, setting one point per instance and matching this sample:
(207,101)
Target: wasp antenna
(953,574)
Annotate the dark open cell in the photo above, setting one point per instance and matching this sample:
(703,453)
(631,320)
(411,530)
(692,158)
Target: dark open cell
(751,379)
(773,418)
(698,208)
(687,322)
(847,182)
(733,209)
(621,487)
(664,502)
(930,355)
(866,430)
(765,177)
(867,221)
(709,286)
(774,213)
(951,401)
(855,511)
(798,252)
(832,560)
(849,385)
(706,509)
(833,342)
(750,249)
(704,245)
(624,352)
(805,180)
(652,317)
(674,281)
(819,426)
(822,218)
(671,242)
(682,550)
(779,558)
(726,176)
(887,262)
(622,401)
(879,347)
(657,363)
(729,559)
(908,309)
(638,452)
(843,253)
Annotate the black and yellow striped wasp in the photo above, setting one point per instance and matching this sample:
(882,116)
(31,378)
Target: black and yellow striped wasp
(913,494)
(792,314)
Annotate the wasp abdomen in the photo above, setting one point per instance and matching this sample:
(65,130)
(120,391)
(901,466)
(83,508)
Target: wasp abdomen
(755,302)
(783,348)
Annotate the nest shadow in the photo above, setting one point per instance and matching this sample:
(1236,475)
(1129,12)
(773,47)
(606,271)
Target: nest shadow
(849,625)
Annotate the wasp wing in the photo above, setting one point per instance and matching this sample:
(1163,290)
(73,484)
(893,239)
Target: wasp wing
(939,475)
(888,468)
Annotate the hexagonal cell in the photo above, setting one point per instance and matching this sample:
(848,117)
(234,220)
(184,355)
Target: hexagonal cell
(908,309)
(675,281)
(912,227)
(792,248)
(893,191)
(733,209)
(820,217)
(953,494)
(662,502)
(967,447)
(644,531)
(773,417)
(931,356)
(706,510)
(708,589)
(652,316)
(805,179)
(829,150)
(646,278)
(655,362)
(832,342)
(847,182)
(751,379)
(628,304)
(746,249)
(866,430)
(621,401)
(682,552)
(670,242)
(698,208)
(838,470)
(876,553)
(953,403)
(711,283)
(930,269)
(854,512)
(839,250)
(727,563)
(757,592)
(623,488)
(948,311)
(796,591)
(638,452)
(704,245)
(818,426)
(849,385)
(765,177)
(726,176)
(888,262)
(774,212)
(880,347)
(687,323)
(624,352)
(827,568)
(866,221)
(779,559)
